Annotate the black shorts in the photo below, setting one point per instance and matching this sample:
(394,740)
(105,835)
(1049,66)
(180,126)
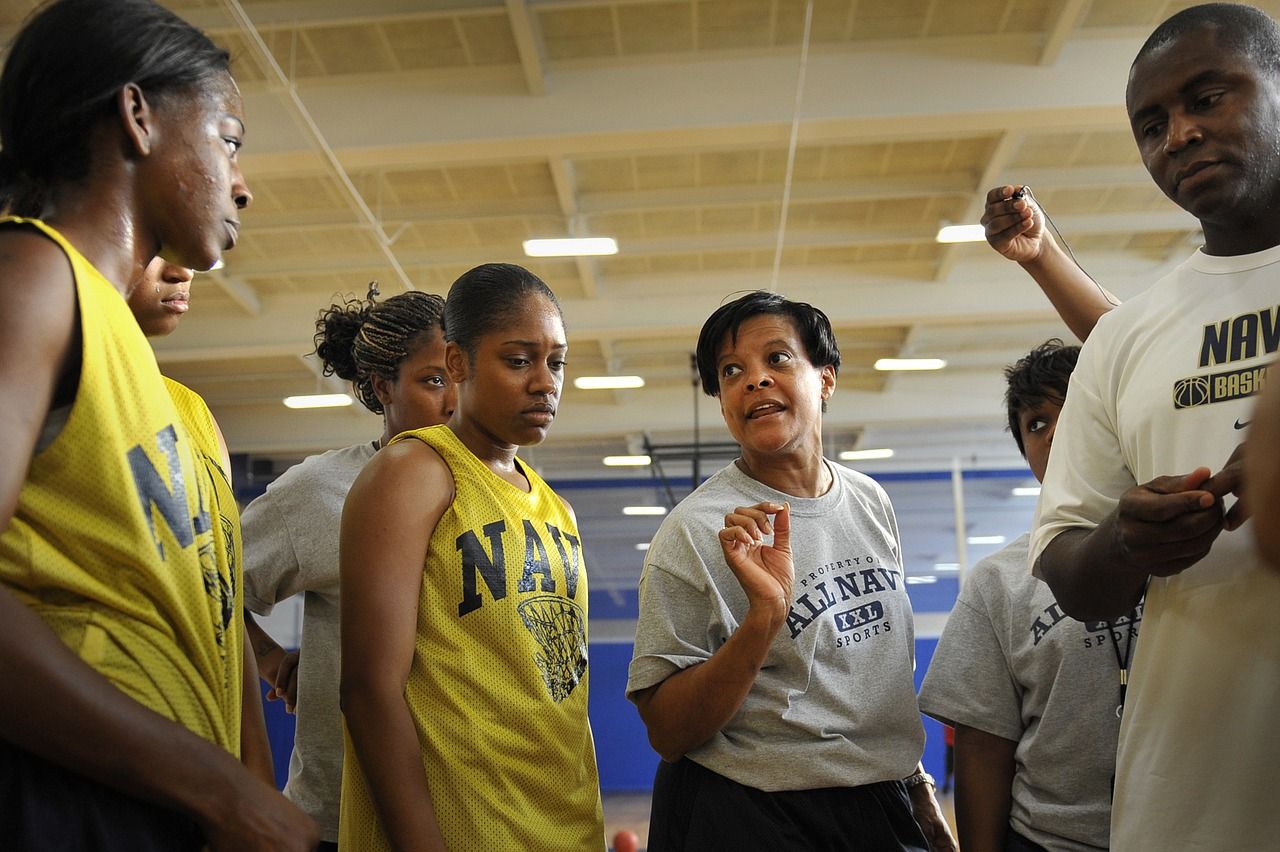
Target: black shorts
(697,810)
(45,808)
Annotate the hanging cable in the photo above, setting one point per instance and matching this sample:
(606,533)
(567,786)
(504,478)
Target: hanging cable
(791,145)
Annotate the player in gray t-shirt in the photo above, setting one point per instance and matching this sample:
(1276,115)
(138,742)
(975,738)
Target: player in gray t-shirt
(773,657)
(1034,695)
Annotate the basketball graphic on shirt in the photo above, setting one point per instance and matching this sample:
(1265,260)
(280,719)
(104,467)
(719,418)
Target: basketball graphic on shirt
(1190,392)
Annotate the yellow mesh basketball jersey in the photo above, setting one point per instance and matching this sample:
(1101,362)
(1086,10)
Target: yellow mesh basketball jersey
(106,542)
(498,683)
(222,567)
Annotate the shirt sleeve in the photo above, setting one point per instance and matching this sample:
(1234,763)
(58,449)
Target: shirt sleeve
(969,681)
(271,569)
(1088,469)
(676,625)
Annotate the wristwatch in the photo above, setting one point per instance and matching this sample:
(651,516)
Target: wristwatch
(919,778)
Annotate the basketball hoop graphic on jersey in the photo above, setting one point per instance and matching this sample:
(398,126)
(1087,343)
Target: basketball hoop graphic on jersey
(558,627)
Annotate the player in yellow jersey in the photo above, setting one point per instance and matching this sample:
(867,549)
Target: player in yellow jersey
(158,302)
(464,607)
(119,126)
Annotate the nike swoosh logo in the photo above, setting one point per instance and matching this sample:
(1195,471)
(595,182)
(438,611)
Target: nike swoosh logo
(1243,425)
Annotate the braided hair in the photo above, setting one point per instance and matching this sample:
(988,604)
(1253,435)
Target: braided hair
(360,339)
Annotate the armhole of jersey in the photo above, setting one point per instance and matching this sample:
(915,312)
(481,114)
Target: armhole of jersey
(67,389)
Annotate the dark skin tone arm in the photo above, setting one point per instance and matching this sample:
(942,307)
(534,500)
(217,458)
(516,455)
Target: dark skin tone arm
(1016,229)
(984,788)
(387,522)
(278,667)
(692,705)
(255,746)
(67,713)
(1158,529)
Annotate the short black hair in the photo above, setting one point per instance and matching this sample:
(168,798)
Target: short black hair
(489,297)
(1246,30)
(63,73)
(811,324)
(1042,374)
(360,339)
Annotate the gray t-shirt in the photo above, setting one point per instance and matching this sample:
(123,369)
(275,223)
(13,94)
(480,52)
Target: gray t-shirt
(834,704)
(291,547)
(1012,664)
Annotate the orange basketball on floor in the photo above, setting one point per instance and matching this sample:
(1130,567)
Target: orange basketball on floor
(625,841)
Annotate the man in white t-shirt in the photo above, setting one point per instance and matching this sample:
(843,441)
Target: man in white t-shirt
(1141,488)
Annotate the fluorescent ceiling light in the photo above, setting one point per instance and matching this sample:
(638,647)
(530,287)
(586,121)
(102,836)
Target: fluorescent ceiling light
(886,364)
(912,581)
(863,455)
(1027,491)
(318,400)
(571,247)
(986,539)
(961,234)
(644,545)
(626,461)
(946,566)
(644,510)
(608,382)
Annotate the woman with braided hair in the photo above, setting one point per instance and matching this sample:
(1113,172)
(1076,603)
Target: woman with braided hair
(393,354)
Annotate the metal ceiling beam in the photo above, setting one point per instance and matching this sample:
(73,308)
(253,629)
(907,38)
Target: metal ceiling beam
(524,28)
(240,291)
(843,236)
(312,131)
(1064,23)
(1008,145)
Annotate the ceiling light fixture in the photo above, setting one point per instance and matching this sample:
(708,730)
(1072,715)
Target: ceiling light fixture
(986,539)
(946,566)
(644,510)
(318,400)
(894,364)
(961,234)
(608,382)
(626,461)
(913,581)
(865,455)
(1027,491)
(571,247)
(644,545)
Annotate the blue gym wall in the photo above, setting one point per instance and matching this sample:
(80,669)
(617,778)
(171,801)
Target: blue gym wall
(622,749)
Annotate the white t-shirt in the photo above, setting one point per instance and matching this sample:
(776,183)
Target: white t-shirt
(1164,386)
(291,547)
(834,704)
(1012,664)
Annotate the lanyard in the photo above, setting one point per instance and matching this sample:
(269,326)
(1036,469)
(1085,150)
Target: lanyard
(1122,663)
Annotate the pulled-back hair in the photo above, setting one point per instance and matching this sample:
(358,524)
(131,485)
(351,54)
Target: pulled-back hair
(1244,29)
(360,339)
(1042,374)
(63,74)
(810,323)
(489,297)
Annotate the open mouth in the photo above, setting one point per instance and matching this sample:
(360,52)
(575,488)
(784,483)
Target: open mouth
(764,409)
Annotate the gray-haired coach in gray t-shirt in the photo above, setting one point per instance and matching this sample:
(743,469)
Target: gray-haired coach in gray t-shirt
(774,650)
